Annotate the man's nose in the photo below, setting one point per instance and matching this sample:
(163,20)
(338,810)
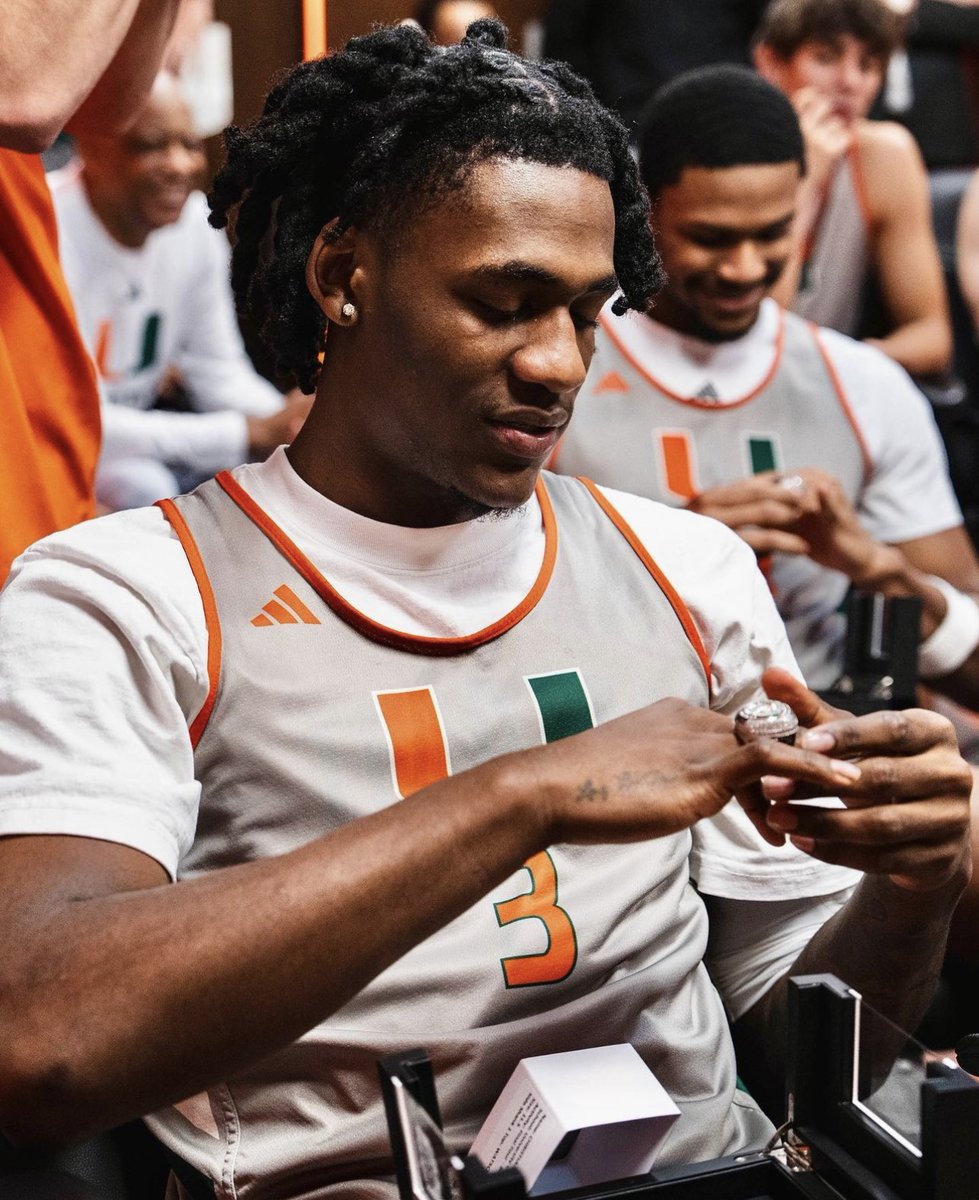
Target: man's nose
(552,355)
(850,75)
(744,264)
(183,161)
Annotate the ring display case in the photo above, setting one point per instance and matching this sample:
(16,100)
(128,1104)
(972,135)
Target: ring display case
(872,1115)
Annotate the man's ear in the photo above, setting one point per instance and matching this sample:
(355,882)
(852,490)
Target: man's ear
(333,273)
(767,62)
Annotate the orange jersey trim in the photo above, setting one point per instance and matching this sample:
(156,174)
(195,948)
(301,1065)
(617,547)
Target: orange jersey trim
(810,243)
(180,527)
(413,643)
(868,462)
(692,401)
(681,610)
(860,186)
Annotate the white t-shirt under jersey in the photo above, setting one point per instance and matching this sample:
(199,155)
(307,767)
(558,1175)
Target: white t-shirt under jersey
(178,279)
(104,644)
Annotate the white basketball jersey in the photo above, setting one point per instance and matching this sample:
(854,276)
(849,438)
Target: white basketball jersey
(629,431)
(319,716)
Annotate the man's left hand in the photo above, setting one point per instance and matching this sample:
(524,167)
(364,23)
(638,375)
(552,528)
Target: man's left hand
(906,817)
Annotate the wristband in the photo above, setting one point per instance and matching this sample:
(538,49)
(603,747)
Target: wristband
(955,638)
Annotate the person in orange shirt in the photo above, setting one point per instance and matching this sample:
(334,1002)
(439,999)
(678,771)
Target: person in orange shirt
(49,403)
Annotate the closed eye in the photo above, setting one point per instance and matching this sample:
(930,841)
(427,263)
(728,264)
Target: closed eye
(583,322)
(495,315)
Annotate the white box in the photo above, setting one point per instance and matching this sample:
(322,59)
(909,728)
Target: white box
(607,1096)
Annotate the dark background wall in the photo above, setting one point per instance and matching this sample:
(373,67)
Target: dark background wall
(267,35)
(348,17)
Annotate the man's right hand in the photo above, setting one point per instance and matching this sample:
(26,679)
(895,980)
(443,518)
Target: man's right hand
(661,769)
(761,509)
(827,136)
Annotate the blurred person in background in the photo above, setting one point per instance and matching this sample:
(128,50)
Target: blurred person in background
(815,448)
(446,21)
(89,65)
(150,279)
(630,48)
(865,200)
(967,249)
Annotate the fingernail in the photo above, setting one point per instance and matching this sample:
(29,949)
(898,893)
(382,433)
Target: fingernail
(817,739)
(803,843)
(782,818)
(844,770)
(777,785)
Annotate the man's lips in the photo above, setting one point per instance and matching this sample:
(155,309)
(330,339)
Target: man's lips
(740,301)
(529,436)
(173,197)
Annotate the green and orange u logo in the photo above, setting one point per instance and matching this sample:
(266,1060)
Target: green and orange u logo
(419,755)
(149,346)
(678,456)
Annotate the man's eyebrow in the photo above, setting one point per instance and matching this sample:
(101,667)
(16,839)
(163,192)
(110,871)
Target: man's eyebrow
(700,227)
(524,272)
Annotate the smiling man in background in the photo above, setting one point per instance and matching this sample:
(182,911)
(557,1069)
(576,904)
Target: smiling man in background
(150,282)
(715,396)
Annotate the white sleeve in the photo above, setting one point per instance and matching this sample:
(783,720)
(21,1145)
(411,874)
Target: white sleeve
(204,442)
(94,733)
(752,943)
(909,494)
(743,634)
(210,353)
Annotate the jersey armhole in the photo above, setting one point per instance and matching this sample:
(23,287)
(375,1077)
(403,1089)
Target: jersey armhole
(182,530)
(647,560)
(834,375)
(860,187)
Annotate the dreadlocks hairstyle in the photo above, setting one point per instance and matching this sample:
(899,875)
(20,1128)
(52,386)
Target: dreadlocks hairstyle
(719,116)
(385,129)
(788,24)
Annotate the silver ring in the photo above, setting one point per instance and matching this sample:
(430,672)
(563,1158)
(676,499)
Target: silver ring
(791,483)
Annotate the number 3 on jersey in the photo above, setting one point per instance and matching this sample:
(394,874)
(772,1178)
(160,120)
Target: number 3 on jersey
(420,756)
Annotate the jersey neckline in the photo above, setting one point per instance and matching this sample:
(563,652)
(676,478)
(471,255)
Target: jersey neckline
(375,630)
(693,401)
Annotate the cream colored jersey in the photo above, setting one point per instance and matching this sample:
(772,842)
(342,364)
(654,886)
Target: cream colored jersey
(631,432)
(318,715)
(835,267)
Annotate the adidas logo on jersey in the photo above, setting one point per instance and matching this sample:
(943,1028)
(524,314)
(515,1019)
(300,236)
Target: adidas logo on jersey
(611,382)
(709,392)
(285,608)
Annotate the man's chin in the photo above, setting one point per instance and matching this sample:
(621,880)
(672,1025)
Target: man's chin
(495,498)
(727,329)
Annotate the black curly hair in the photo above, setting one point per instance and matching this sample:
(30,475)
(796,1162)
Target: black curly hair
(788,24)
(724,115)
(384,130)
